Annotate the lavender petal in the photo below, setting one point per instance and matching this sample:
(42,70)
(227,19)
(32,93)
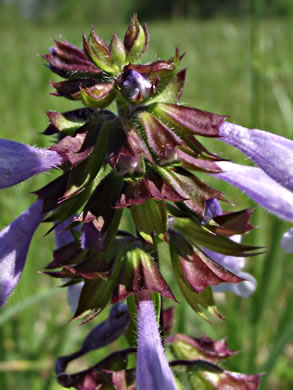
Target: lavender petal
(19,161)
(212,209)
(135,84)
(14,244)
(260,187)
(153,371)
(271,152)
(287,241)
(73,294)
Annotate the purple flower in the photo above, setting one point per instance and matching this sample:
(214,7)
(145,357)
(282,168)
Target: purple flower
(271,152)
(18,162)
(136,86)
(231,263)
(287,241)
(153,371)
(212,209)
(260,187)
(14,243)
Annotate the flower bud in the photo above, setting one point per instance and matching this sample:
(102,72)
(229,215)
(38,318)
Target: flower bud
(135,40)
(287,241)
(135,86)
(98,96)
(117,50)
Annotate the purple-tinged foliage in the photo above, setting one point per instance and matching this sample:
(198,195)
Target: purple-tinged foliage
(189,187)
(270,152)
(161,140)
(152,371)
(70,61)
(260,187)
(197,164)
(138,274)
(195,360)
(102,334)
(200,348)
(190,120)
(233,380)
(68,121)
(186,234)
(19,162)
(109,373)
(142,190)
(136,39)
(234,264)
(112,369)
(200,270)
(229,224)
(14,244)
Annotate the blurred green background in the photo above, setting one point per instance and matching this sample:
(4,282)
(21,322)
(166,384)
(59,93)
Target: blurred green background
(239,55)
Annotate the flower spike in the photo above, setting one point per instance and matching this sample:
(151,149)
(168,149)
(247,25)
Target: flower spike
(133,148)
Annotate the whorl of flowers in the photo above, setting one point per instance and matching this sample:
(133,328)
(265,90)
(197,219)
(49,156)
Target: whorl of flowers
(141,154)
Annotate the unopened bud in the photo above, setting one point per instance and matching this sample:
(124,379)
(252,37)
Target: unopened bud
(117,50)
(135,40)
(135,86)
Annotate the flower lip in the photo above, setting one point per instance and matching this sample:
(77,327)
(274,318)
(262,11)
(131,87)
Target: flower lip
(259,187)
(19,162)
(270,152)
